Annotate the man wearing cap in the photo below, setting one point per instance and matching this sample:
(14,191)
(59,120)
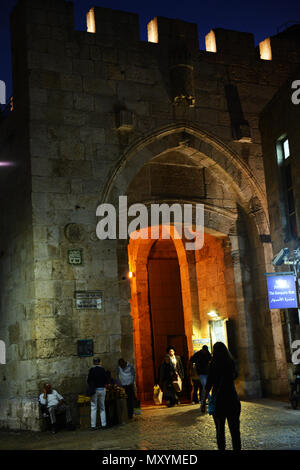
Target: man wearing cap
(97,379)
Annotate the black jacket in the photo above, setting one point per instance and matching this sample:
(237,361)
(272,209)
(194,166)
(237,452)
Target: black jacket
(167,372)
(97,377)
(166,375)
(179,367)
(201,359)
(220,379)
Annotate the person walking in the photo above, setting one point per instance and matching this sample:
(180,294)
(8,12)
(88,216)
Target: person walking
(202,359)
(178,370)
(175,361)
(166,377)
(97,380)
(126,376)
(197,386)
(221,376)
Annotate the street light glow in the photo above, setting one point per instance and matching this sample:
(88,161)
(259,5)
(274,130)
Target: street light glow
(213,314)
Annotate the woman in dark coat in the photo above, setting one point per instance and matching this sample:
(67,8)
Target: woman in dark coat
(166,377)
(176,362)
(170,368)
(221,376)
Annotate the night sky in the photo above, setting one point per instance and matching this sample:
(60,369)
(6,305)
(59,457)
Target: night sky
(263,18)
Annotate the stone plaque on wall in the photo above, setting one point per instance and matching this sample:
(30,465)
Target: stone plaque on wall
(85,347)
(75,256)
(88,299)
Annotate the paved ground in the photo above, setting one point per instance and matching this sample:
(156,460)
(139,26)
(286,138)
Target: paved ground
(265,425)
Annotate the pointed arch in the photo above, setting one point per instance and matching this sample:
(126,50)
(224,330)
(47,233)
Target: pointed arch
(204,149)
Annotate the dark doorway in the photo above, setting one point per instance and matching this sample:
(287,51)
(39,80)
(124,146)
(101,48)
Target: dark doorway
(165,302)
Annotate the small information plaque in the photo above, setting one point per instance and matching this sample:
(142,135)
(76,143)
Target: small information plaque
(88,299)
(75,256)
(199,343)
(85,347)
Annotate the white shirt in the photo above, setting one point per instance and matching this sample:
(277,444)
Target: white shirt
(174,360)
(51,400)
(126,375)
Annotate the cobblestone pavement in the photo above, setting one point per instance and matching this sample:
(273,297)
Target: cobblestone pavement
(265,425)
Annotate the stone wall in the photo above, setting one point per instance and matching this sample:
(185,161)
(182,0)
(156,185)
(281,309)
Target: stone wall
(17,323)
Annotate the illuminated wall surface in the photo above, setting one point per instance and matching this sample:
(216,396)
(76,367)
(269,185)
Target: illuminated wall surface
(100,114)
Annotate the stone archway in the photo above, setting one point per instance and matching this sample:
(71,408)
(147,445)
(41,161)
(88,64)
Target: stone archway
(201,147)
(204,150)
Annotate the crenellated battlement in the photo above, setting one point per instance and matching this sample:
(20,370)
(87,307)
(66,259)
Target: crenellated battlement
(122,26)
(226,41)
(162,31)
(109,59)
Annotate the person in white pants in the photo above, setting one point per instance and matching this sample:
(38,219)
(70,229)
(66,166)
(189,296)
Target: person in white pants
(99,396)
(97,379)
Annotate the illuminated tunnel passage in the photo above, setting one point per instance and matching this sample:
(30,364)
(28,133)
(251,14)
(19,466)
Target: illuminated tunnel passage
(173,291)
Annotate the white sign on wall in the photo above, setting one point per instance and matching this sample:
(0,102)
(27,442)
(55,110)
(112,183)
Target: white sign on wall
(88,299)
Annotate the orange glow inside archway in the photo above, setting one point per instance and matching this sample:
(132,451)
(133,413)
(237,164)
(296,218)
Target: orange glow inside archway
(204,279)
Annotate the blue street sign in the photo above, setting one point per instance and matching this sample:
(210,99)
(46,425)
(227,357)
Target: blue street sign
(282,291)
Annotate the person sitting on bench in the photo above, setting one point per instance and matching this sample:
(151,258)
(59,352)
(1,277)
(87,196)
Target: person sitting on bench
(54,403)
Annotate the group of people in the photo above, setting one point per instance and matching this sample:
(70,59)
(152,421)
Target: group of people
(210,373)
(98,380)
(52,402)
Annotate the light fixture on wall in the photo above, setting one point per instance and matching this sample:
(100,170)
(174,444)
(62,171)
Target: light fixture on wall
(213,314)
(131,274)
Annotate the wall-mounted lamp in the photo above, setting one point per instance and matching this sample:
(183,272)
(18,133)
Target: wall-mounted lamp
(213,314)
(131,274)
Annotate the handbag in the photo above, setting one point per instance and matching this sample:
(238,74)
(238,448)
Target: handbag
(212,401)
(157,395)
(177,383)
